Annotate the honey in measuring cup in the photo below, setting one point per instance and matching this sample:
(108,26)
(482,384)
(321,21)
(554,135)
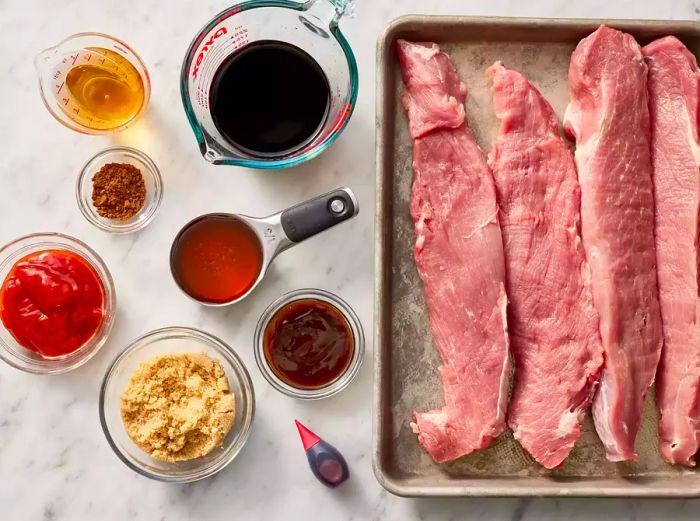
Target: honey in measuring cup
(93,83)
(107,91)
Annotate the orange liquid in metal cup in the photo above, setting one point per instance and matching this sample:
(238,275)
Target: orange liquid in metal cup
(216,259)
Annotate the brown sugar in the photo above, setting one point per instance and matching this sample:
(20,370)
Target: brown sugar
(178,406)
(118,191)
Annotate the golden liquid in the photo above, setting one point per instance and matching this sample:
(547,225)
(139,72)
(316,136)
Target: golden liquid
(105,92)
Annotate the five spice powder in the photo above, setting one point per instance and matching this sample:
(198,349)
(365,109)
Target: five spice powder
(118,191)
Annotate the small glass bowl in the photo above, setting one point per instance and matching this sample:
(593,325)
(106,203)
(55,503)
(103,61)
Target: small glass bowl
(21,358)
(151,177)
(175,340)
(336,385)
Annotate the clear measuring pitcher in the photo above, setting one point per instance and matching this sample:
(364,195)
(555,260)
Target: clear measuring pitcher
(93,83)
(311,26)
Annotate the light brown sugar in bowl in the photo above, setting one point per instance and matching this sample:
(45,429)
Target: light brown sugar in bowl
(178,407)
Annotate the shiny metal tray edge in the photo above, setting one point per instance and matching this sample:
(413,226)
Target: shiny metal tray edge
(685,484)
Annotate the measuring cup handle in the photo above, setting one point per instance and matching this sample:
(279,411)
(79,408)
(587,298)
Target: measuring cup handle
(318,214)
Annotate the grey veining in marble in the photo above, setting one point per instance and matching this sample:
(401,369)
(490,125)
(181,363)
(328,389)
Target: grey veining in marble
(55,464)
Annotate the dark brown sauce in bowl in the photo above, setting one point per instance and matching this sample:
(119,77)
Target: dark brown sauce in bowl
(308,343)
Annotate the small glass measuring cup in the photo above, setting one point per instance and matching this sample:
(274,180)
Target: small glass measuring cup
(111,55)
(313,27)
(273,235)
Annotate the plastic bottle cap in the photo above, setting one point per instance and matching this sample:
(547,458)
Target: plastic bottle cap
(308,438)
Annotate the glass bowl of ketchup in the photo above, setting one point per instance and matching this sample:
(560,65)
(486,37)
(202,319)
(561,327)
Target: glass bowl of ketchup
(309,344)
(57,303)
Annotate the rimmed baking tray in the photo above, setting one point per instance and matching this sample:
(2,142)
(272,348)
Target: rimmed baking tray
(406,377)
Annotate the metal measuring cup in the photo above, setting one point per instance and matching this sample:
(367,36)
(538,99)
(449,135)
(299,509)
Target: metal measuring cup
(280,231)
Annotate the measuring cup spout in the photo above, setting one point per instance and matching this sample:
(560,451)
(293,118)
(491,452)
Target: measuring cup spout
(210,149)
(47,59)
(44,60)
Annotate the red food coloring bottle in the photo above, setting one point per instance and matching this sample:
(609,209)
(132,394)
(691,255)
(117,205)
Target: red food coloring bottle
(327,464)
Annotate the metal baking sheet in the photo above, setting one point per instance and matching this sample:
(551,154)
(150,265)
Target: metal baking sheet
(406,362)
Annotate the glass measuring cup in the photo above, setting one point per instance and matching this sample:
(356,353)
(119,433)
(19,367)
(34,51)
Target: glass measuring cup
(313,27)
(108,56)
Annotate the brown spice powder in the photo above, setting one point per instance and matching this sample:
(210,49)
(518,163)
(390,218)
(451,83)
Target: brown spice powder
(118,191)
(178,407)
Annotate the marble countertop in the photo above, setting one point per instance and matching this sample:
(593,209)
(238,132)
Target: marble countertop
(55,464)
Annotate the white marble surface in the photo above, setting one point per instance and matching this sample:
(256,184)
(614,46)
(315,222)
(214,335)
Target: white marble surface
(55,464)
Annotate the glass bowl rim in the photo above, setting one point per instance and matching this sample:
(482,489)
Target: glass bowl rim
(91,215)
(345,378)
(82,354)
(232,358)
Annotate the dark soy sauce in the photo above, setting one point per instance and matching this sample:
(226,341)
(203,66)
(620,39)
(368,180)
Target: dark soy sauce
(270,98)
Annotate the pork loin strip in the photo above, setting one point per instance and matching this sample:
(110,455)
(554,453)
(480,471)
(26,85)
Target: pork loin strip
(609,117)
(459,256)
(552,323)
(674,88)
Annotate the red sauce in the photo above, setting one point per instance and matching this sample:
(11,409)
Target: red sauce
(308,343)
(52,302)
(216,259)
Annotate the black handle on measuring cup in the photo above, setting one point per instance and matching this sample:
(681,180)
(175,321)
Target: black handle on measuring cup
(318,214)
